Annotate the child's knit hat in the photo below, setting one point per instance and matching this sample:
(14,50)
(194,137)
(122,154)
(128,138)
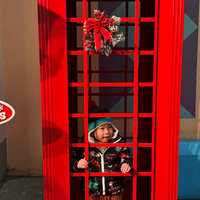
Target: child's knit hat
(95,122)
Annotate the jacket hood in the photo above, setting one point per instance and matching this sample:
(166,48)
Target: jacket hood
(91,138)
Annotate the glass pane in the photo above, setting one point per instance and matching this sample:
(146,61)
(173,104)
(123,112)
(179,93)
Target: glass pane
(74,8)
(144,159)
(76,100)
(76,154)
(76,185)
(147,8)
(145,99)
(146,68)
(143,188)
(128,188)
(118,8)
(114,68)
(75,68)
(145,130)
(76,130)
(74,36)
(113,98)
(146,36)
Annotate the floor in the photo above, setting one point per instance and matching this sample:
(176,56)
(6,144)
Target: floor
(22,188)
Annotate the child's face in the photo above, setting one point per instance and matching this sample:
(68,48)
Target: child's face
(104,133)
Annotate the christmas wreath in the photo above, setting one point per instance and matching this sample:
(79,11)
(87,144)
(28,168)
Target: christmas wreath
(100,33)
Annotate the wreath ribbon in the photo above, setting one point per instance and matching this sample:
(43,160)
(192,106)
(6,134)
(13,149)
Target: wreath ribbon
(98,26)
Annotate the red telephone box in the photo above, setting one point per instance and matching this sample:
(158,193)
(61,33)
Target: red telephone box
(151,85)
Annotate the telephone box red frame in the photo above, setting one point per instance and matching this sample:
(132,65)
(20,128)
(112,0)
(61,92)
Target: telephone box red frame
(166,97)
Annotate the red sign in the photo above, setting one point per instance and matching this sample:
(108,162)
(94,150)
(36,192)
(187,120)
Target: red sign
(7,112)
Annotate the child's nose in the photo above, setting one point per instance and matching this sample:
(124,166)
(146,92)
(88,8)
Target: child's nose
(106,130)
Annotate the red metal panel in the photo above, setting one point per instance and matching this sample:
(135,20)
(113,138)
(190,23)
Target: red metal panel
(168,98)
(154,99)
(135,107)
(86,106)
(181,7)
(46,105)
(125,73)
(176,85)
(54,91)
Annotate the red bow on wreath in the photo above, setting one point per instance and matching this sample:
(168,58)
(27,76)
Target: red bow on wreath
(98,26)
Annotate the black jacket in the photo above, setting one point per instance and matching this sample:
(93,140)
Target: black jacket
(109,161)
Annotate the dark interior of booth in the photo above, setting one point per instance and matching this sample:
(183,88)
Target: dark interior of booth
(104,97)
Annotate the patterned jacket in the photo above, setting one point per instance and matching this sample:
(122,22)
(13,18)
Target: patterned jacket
(108,160)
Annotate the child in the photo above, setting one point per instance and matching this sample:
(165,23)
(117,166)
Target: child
(104,159)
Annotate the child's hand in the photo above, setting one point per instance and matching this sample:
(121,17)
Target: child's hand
(125,168)
(82,164)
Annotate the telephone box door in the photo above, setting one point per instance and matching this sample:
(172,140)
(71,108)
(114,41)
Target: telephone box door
(139,83)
